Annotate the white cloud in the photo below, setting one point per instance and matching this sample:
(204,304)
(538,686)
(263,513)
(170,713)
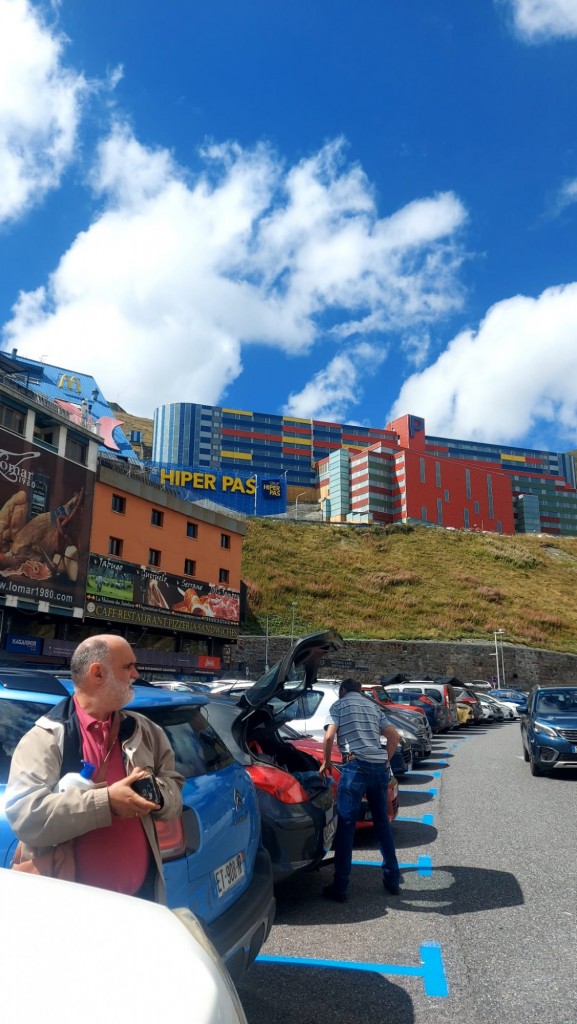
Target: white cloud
(512,377)
(39,108)
(541,20)
(566,196)
(162,291)
(333,390)
(417,347)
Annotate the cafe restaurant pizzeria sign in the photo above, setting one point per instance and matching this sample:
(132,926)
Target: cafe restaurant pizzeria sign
(124,592)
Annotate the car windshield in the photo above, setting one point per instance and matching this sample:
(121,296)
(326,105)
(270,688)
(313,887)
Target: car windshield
(557,701)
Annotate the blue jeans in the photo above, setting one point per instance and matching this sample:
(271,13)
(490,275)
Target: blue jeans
(357,778)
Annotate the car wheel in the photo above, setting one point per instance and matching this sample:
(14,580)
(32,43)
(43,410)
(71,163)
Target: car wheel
(535,769)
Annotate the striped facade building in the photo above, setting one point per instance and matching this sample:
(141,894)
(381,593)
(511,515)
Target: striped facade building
(365,474)
(202,435)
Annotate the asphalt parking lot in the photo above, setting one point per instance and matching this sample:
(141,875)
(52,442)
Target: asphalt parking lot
(464,940)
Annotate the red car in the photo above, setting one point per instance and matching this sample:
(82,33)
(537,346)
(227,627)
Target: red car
(315,748)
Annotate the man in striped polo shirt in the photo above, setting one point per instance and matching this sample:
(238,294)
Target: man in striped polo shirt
(358,724)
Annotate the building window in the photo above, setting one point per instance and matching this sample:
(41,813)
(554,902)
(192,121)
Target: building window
(438,474)
(466,518)
(12,419)
(118,504)
(439,511)
(468,482)
(115,545)
(477,508)
(189,567)
(153,556)
(157,517)
(490,495)
(424,513)
(192,530)
(76,450)
(223,575)
(422,470)
(447,496)
(224,540)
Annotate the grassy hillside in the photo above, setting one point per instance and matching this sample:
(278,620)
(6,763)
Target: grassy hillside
(411,583)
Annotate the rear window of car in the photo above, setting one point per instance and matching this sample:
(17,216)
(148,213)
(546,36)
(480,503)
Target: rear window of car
(16,718)
(198,749)
(435,694)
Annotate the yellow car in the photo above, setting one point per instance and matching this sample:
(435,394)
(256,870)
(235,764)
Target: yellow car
(465,714)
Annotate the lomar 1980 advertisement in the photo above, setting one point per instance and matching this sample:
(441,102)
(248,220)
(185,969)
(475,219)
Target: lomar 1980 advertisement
(45,509)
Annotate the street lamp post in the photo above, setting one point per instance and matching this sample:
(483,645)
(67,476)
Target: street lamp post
(498,632)
(266,647)
(297,503)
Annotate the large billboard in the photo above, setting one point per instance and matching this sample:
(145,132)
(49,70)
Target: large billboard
(252,494)
(124,591)
(45,514)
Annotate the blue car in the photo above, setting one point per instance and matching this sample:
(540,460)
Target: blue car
(549,728)
(512,696)
(220,818)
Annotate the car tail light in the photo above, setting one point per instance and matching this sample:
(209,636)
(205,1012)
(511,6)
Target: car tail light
(279,784)
(171,838)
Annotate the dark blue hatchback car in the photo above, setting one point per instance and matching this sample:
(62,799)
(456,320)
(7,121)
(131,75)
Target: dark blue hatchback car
(549,728)
(214,862)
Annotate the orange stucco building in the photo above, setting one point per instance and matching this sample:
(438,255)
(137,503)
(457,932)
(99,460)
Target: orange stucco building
(165,571)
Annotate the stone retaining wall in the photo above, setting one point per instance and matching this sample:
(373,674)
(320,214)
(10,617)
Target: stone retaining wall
(371,659)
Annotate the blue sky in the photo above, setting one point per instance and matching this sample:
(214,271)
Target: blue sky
(345,211)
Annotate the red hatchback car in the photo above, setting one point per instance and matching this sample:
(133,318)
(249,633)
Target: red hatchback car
(315,749)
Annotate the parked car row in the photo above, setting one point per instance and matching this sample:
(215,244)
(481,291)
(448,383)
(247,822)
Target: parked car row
(255,808)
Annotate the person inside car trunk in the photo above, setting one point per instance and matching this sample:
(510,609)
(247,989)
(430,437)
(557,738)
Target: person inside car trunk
(358,725)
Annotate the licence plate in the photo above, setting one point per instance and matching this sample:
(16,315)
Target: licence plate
(573,748)
(229,874)
(329,831)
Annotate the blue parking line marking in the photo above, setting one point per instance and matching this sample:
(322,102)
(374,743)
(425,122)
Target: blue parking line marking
(423,867)
(425,819)
(431,969)
(423,775)
(430,790)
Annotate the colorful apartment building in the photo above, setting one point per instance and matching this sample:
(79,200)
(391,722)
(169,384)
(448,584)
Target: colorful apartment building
(458,484)
(385,475)
(250,462)
(235,440)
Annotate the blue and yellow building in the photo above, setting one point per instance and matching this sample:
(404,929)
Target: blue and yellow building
(366,474)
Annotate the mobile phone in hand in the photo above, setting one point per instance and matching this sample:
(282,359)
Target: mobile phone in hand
(148,788)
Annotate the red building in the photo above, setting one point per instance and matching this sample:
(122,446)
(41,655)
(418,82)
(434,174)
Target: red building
(398,480)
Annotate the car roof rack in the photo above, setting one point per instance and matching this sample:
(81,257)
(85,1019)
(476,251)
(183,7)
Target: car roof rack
(32,679)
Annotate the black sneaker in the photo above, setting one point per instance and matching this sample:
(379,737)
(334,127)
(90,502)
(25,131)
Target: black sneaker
(330,893)
(392,887)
